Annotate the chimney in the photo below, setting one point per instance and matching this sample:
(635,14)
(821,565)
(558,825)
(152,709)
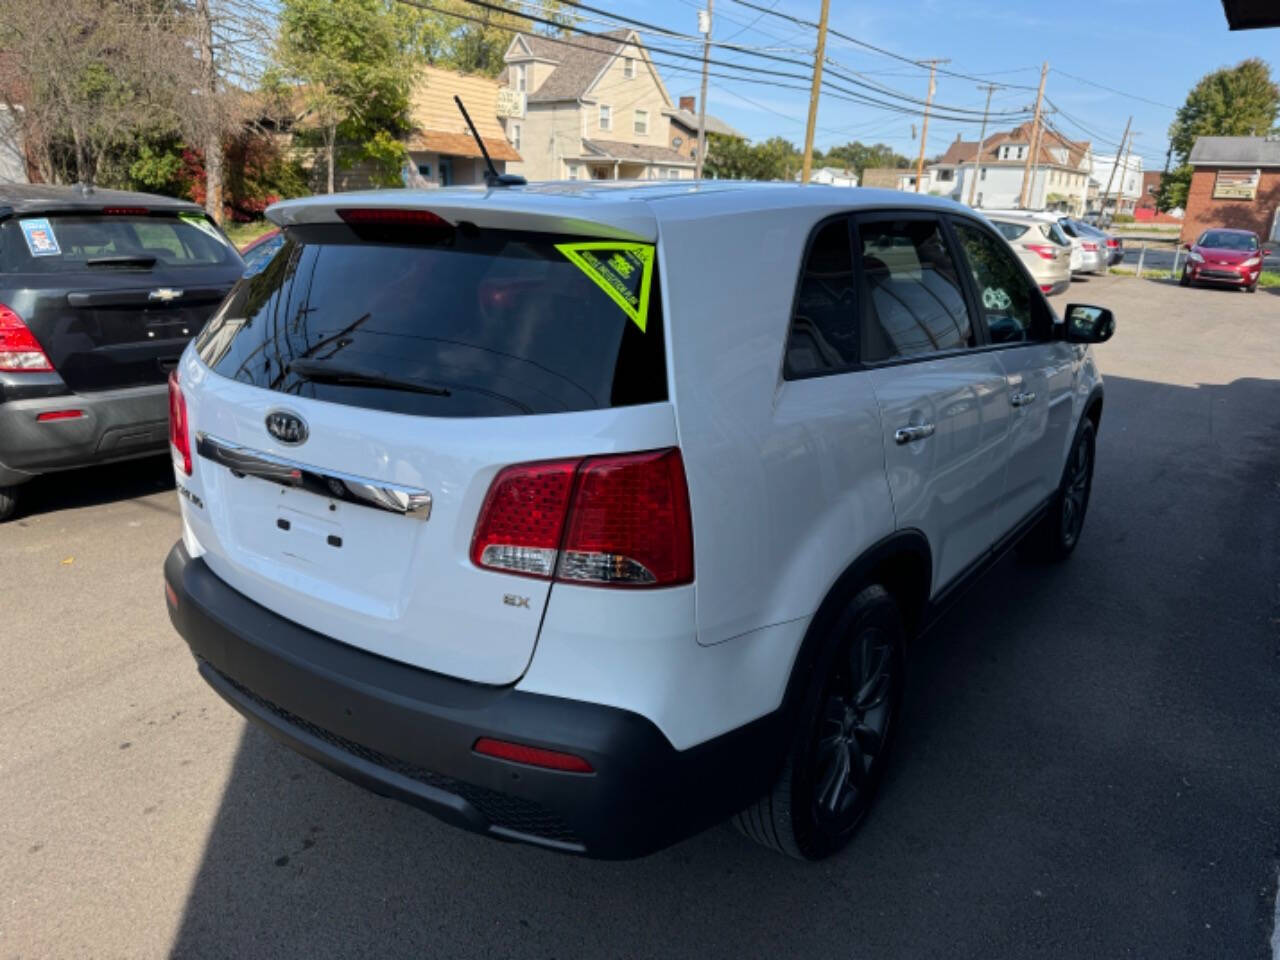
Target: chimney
(689,103)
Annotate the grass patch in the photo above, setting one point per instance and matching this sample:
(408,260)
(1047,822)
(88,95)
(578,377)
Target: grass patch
(1148,274)
(1269,278)
(242,233)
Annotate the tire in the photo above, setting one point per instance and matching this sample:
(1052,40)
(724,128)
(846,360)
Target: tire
(846,724)
(1055,537)
(1184,280)
(8,502)
(1251,288)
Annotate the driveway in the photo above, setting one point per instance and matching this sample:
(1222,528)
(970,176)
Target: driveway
(1089,764)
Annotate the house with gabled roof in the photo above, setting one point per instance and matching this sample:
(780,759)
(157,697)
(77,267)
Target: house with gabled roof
(1060,171)
(593,107)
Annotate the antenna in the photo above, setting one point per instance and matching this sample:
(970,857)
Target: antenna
(492,177)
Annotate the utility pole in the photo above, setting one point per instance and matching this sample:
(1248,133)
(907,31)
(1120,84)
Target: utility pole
(1111,179)
(924,128)
(1035,129)
(807,166)
(982,140)
(1124,168)
(705,29)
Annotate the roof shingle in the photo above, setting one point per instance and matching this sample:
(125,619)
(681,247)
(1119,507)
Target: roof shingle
(579,61)
(1246,151)
(636,152)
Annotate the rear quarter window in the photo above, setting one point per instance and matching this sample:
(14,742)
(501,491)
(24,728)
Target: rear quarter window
(485,323)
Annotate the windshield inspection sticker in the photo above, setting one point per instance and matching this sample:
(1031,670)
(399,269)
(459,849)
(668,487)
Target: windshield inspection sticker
(40,239)
(622,270)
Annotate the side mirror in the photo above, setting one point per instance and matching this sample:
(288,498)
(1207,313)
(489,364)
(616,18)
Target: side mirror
(1266,253)
(1087,324)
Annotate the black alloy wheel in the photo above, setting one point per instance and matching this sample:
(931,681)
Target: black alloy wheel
(1076,487)
(852,729)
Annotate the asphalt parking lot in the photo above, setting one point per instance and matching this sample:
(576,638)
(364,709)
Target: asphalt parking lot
(1089,763)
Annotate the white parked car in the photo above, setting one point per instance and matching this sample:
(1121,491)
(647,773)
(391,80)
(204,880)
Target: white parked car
(591,515)
(1048,261)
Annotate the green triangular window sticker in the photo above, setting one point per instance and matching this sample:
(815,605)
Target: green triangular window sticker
(622,270)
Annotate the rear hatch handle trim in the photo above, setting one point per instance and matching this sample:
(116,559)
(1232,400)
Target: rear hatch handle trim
(245,462)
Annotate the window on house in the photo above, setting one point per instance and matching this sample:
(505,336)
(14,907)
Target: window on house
(642,122)
(522,77)
(983,176)
(979,199)
(629,67)
(514,137)
(573,171)
(673,173)
(606,117)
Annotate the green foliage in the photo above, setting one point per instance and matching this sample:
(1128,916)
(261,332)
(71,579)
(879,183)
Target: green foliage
(858,156)
(729,158)
(470,47)
(348,58)
(1123,218)
(156,169)
(1236,101)
(388,156)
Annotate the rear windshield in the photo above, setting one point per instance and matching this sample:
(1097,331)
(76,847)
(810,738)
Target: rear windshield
(482,323)
(56,244)
(1223,240)
(1010,231)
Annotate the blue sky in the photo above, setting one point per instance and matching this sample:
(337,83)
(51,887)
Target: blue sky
(1151,50)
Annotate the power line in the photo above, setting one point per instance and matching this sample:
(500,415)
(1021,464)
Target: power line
(1119,93)
(757,52)
(840,92)
(863,43)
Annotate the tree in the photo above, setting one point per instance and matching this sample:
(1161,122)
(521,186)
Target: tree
(228,37)
(730,158)
(1235,101)
(462,44)
(858,157)
(95,78)
(352,70)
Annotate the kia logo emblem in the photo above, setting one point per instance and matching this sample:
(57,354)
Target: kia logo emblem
(287,427)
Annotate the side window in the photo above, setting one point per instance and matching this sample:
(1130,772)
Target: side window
(824,338)
(913,302)
(1012,313)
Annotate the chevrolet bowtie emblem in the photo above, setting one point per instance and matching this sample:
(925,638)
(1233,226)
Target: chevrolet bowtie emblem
(164,294)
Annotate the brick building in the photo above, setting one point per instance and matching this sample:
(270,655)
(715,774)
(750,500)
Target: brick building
(1236,183)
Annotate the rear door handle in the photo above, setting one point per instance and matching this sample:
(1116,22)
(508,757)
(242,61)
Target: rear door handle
(916,432)
(1022,399)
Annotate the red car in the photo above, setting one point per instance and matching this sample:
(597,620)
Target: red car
(1231,257)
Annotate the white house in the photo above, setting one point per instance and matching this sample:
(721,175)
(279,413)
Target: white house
(1059,172)
(13,163)
(1126,181)
(833,176)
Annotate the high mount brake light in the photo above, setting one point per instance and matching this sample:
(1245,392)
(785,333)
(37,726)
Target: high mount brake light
(179,429)
(124,211)
(392,217)
(20,351)
(620,521)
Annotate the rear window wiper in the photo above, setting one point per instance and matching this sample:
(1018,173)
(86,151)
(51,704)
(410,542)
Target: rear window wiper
(325,371)
(123,260)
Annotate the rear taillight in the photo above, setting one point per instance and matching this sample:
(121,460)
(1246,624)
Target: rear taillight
(179,434)
(20,351)
(1046,288)
(1044,250)
(1112,242)
(610,521)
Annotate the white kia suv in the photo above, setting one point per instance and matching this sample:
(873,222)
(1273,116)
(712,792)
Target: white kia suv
(589,515)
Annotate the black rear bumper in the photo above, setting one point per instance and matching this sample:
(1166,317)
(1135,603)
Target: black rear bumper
(408,733)
(112,425)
